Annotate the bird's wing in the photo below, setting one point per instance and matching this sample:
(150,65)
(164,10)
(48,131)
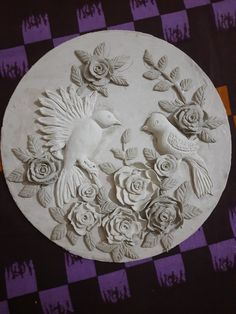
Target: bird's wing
(182,144)
(58,113)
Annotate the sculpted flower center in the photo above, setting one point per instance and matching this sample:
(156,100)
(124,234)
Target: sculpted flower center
(43,169)
(138,185)
(85,218)
(166,165)
(124,226)
(99,68)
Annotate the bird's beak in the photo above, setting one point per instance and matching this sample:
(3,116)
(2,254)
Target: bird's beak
(117,122)
(144,128)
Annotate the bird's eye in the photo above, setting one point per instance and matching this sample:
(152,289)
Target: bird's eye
(156,122)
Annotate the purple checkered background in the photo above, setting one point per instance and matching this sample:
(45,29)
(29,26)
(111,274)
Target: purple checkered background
(199,275)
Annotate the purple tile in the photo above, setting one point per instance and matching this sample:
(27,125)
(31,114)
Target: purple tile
(223,255)
(13,62)
(56,300)
(135,263)
(60,40)
(91,17)
(125,26)
(225,14)
(36,28)
(142,9)
(195,241)
(170,270)
(175,26)
(114,286)
(78,268)
(20,279)
(4,307)
(232,219)
(195,3)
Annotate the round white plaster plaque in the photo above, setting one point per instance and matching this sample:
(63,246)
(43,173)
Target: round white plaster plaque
(116,146)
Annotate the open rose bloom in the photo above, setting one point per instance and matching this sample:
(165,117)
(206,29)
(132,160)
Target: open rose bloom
(83,217)
(164,215)
(135,185)
(122,225)
(43,171)
(189,119)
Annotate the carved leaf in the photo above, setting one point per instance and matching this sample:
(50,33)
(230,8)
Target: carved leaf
(16,175)
(152,74)
(131,153)
(28,190)
(186,84)
(199,95)
(175,74)
(105,247)
(34,145)
(162,86)
(126,136)
(103,91)
(190,211)
(206,137)
(213,122)
(148,58)
(168,183)
(83,56)
(118,253)
(118,153)
(129,252)
(167,241)
(107,206)
(100,50)
(150,240)
(119,61)
(57,214)
(181,192)
(119,80)
(45,195)
(108,167)
(162,63)
(89,241)
(76,75)
(150,154)
(178,102)
(59,232)
(72,236)
(22,155)
(168,106)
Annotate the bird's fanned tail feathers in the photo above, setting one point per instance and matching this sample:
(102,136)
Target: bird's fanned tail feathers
(67,184)
(202,183)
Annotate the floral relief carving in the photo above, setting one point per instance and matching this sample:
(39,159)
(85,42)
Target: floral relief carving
(147,202)
(98,70)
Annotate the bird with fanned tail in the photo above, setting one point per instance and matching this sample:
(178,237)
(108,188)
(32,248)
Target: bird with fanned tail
(73,131)
(169,140)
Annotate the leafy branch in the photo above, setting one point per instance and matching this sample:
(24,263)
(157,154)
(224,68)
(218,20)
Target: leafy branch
(171,79)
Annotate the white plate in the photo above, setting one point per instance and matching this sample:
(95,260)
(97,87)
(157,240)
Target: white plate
(168,161)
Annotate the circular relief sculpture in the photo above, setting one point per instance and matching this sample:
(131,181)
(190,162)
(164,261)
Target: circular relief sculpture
(116,146)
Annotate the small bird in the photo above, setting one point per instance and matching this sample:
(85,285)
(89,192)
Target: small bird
(170,140)
(73,131)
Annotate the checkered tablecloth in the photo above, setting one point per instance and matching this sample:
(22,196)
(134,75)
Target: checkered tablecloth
(199,275)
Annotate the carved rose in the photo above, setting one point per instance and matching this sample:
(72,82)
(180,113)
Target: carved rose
(98,71)
(83,217)
(134,186)
(164,215)
(165,165)
(43,171)
(122,225)
(87,191)
(189,119)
